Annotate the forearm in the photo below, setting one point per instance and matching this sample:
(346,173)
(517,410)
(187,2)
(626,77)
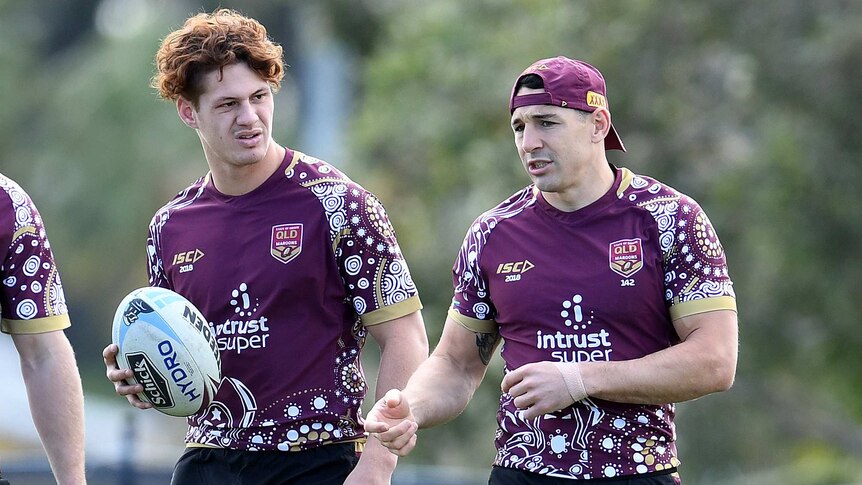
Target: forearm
(659,378)
(403,346)
(440,389)
(703,363)
(56,404)
(398,361)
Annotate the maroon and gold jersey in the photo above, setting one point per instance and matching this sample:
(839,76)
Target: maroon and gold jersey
(601,283)
(289,276)
(31,295)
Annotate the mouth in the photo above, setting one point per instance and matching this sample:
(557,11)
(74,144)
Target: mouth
(248,137)
(538,166)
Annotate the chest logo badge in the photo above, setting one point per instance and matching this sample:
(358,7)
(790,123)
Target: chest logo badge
(286,242)
(185,261)
(626,256)
(513,271)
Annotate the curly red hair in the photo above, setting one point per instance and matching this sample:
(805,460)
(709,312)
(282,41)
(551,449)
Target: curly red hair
(208,42)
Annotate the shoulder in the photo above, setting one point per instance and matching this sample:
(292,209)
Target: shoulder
(480,231)
(7,211)
(182,200)
(17,210)
(513,206)
(12,195)
(642,190)
(9,193)
(332,187)
(342,199)
(309,171)
(659,199)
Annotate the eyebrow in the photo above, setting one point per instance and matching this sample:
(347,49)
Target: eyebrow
(535,117)
(231,98)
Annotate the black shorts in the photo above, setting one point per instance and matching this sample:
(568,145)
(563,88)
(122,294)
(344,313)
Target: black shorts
(509,476)
(325,465)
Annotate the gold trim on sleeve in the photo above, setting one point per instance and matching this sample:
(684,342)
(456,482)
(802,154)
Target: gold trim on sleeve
(36,325)
(702,305)
(473,324)
(391,312)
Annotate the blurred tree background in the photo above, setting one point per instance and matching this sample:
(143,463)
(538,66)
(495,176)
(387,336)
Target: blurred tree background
(749,107)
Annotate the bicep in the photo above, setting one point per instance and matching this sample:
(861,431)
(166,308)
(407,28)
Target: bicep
(468,350)
(715,333)
(408,329)
(34,348)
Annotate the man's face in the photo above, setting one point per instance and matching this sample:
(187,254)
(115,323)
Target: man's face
(233,117)
(553,143)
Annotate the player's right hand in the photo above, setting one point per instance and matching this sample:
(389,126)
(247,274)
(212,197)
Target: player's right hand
(392,423)
(119,378)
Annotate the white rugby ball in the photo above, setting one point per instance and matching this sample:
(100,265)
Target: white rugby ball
(170,348)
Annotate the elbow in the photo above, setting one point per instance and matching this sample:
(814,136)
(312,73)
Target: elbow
(422,343)
(416,347)
(725,380)
(722,375)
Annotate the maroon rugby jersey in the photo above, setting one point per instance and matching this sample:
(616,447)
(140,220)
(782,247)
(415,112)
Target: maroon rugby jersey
(289,275)
(31,295)
(600,283)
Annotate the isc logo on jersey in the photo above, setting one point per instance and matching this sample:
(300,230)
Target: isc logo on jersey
(514,270)
(170,348)
(186,260)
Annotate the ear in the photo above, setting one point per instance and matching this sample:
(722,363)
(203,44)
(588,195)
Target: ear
(187,112)
(601,124)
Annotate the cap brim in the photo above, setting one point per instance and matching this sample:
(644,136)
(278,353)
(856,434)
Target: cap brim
(613,141)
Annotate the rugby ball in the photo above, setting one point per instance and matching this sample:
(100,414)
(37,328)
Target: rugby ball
(170,348)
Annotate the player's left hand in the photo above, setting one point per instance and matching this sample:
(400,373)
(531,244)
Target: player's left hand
(538,388)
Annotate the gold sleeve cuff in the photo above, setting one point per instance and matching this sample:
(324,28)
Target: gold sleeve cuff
(392,312)
(473,324)
(36,325)
(703,305)
(202,445)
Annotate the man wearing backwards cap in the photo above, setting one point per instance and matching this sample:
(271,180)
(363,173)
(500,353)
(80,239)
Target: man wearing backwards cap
(610,290)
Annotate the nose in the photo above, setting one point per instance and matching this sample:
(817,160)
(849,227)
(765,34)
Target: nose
(530,139)
(246,115)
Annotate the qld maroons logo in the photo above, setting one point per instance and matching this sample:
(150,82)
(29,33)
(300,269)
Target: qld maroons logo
(626,256)
(286,243)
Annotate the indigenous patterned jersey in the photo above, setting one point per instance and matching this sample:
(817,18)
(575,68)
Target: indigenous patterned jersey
(31,295)
(289,276)
(597,284)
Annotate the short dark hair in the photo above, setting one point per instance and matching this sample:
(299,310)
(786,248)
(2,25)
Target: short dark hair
(531,81)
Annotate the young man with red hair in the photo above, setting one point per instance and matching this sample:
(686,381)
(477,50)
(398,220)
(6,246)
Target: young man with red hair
(294,264)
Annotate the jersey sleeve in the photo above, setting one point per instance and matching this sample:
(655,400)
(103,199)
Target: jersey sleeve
(696,273)
(155,265)
(31,294)
(374,271)
(471,303)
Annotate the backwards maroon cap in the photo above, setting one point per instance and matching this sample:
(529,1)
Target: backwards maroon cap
(570,84)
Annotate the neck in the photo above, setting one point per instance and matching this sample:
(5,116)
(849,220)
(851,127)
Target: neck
(594,182)
(237,180)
